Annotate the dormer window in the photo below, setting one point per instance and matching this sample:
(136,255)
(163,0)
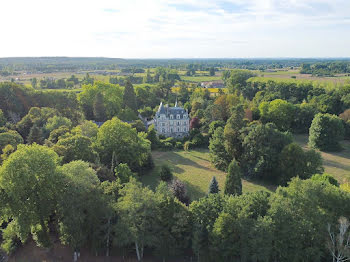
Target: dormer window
(185,116)
(177,116)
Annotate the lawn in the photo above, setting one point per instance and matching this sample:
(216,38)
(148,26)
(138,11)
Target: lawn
(335,163)
(194,168)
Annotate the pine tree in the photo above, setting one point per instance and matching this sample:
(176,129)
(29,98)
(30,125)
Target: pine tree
(233,183)
(129,98)
(99,108)
(213,186)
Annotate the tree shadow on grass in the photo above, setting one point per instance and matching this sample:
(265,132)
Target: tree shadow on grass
(336,164)
(174,159)
(194,192)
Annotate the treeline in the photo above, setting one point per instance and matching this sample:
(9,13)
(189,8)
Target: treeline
(325,68)
(55,64)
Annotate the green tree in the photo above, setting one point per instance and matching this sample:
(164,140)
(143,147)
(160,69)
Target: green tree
(218,153)
(129,98)
(326,132)
(238,80)
(172,224)
(99,108)
(117,137)
(232,132)
(112,99)
(36,135)
(295,162)
(325,178)
(56,122)
(214,125)
(152,136)
(304,206)
(213,186)
(10,137)
(137,208)
(86,128)
(262,145)
(123,173)
(204,213)
(165,173)
(279,112)
(30,173)
(76,147)
(76,207)
(233,182)
(56,134)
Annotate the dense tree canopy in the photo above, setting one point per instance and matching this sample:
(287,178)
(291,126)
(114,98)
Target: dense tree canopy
(30,174)
(118,138)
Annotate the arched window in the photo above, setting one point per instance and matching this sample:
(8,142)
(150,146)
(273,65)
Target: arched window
(171,117)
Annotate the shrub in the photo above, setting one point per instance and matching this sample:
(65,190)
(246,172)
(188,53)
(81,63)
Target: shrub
(325,178)
(165,173)
(179,145)
(166,145)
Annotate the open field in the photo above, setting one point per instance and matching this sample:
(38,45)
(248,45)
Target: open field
(200,78)
(286,75)
(194,168)
(335,163)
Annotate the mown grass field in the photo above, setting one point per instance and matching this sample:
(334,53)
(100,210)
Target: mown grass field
(286,76)
(194,168)
(335,163)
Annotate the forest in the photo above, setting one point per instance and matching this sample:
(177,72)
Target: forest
(73,162)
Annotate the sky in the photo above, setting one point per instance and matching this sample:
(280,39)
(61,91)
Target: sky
(175,28)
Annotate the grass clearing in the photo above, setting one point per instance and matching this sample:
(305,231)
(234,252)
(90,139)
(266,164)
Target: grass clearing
(335,163)
(193,168)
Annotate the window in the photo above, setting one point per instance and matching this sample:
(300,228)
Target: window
(178,129)
(163,124)
(178,123)
(177,116)
(163,130)
(185,116)
(171,117)
(171,130)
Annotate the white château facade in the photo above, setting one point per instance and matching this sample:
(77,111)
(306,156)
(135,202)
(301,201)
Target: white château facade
(172,121)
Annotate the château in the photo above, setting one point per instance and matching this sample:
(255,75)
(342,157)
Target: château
(172,121)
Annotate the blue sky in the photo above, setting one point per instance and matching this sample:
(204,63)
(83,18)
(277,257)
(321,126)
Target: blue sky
(176,28)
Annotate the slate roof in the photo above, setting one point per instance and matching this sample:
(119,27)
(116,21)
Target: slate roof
(167,111)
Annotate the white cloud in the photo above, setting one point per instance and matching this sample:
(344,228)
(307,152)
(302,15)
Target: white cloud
(175,28)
